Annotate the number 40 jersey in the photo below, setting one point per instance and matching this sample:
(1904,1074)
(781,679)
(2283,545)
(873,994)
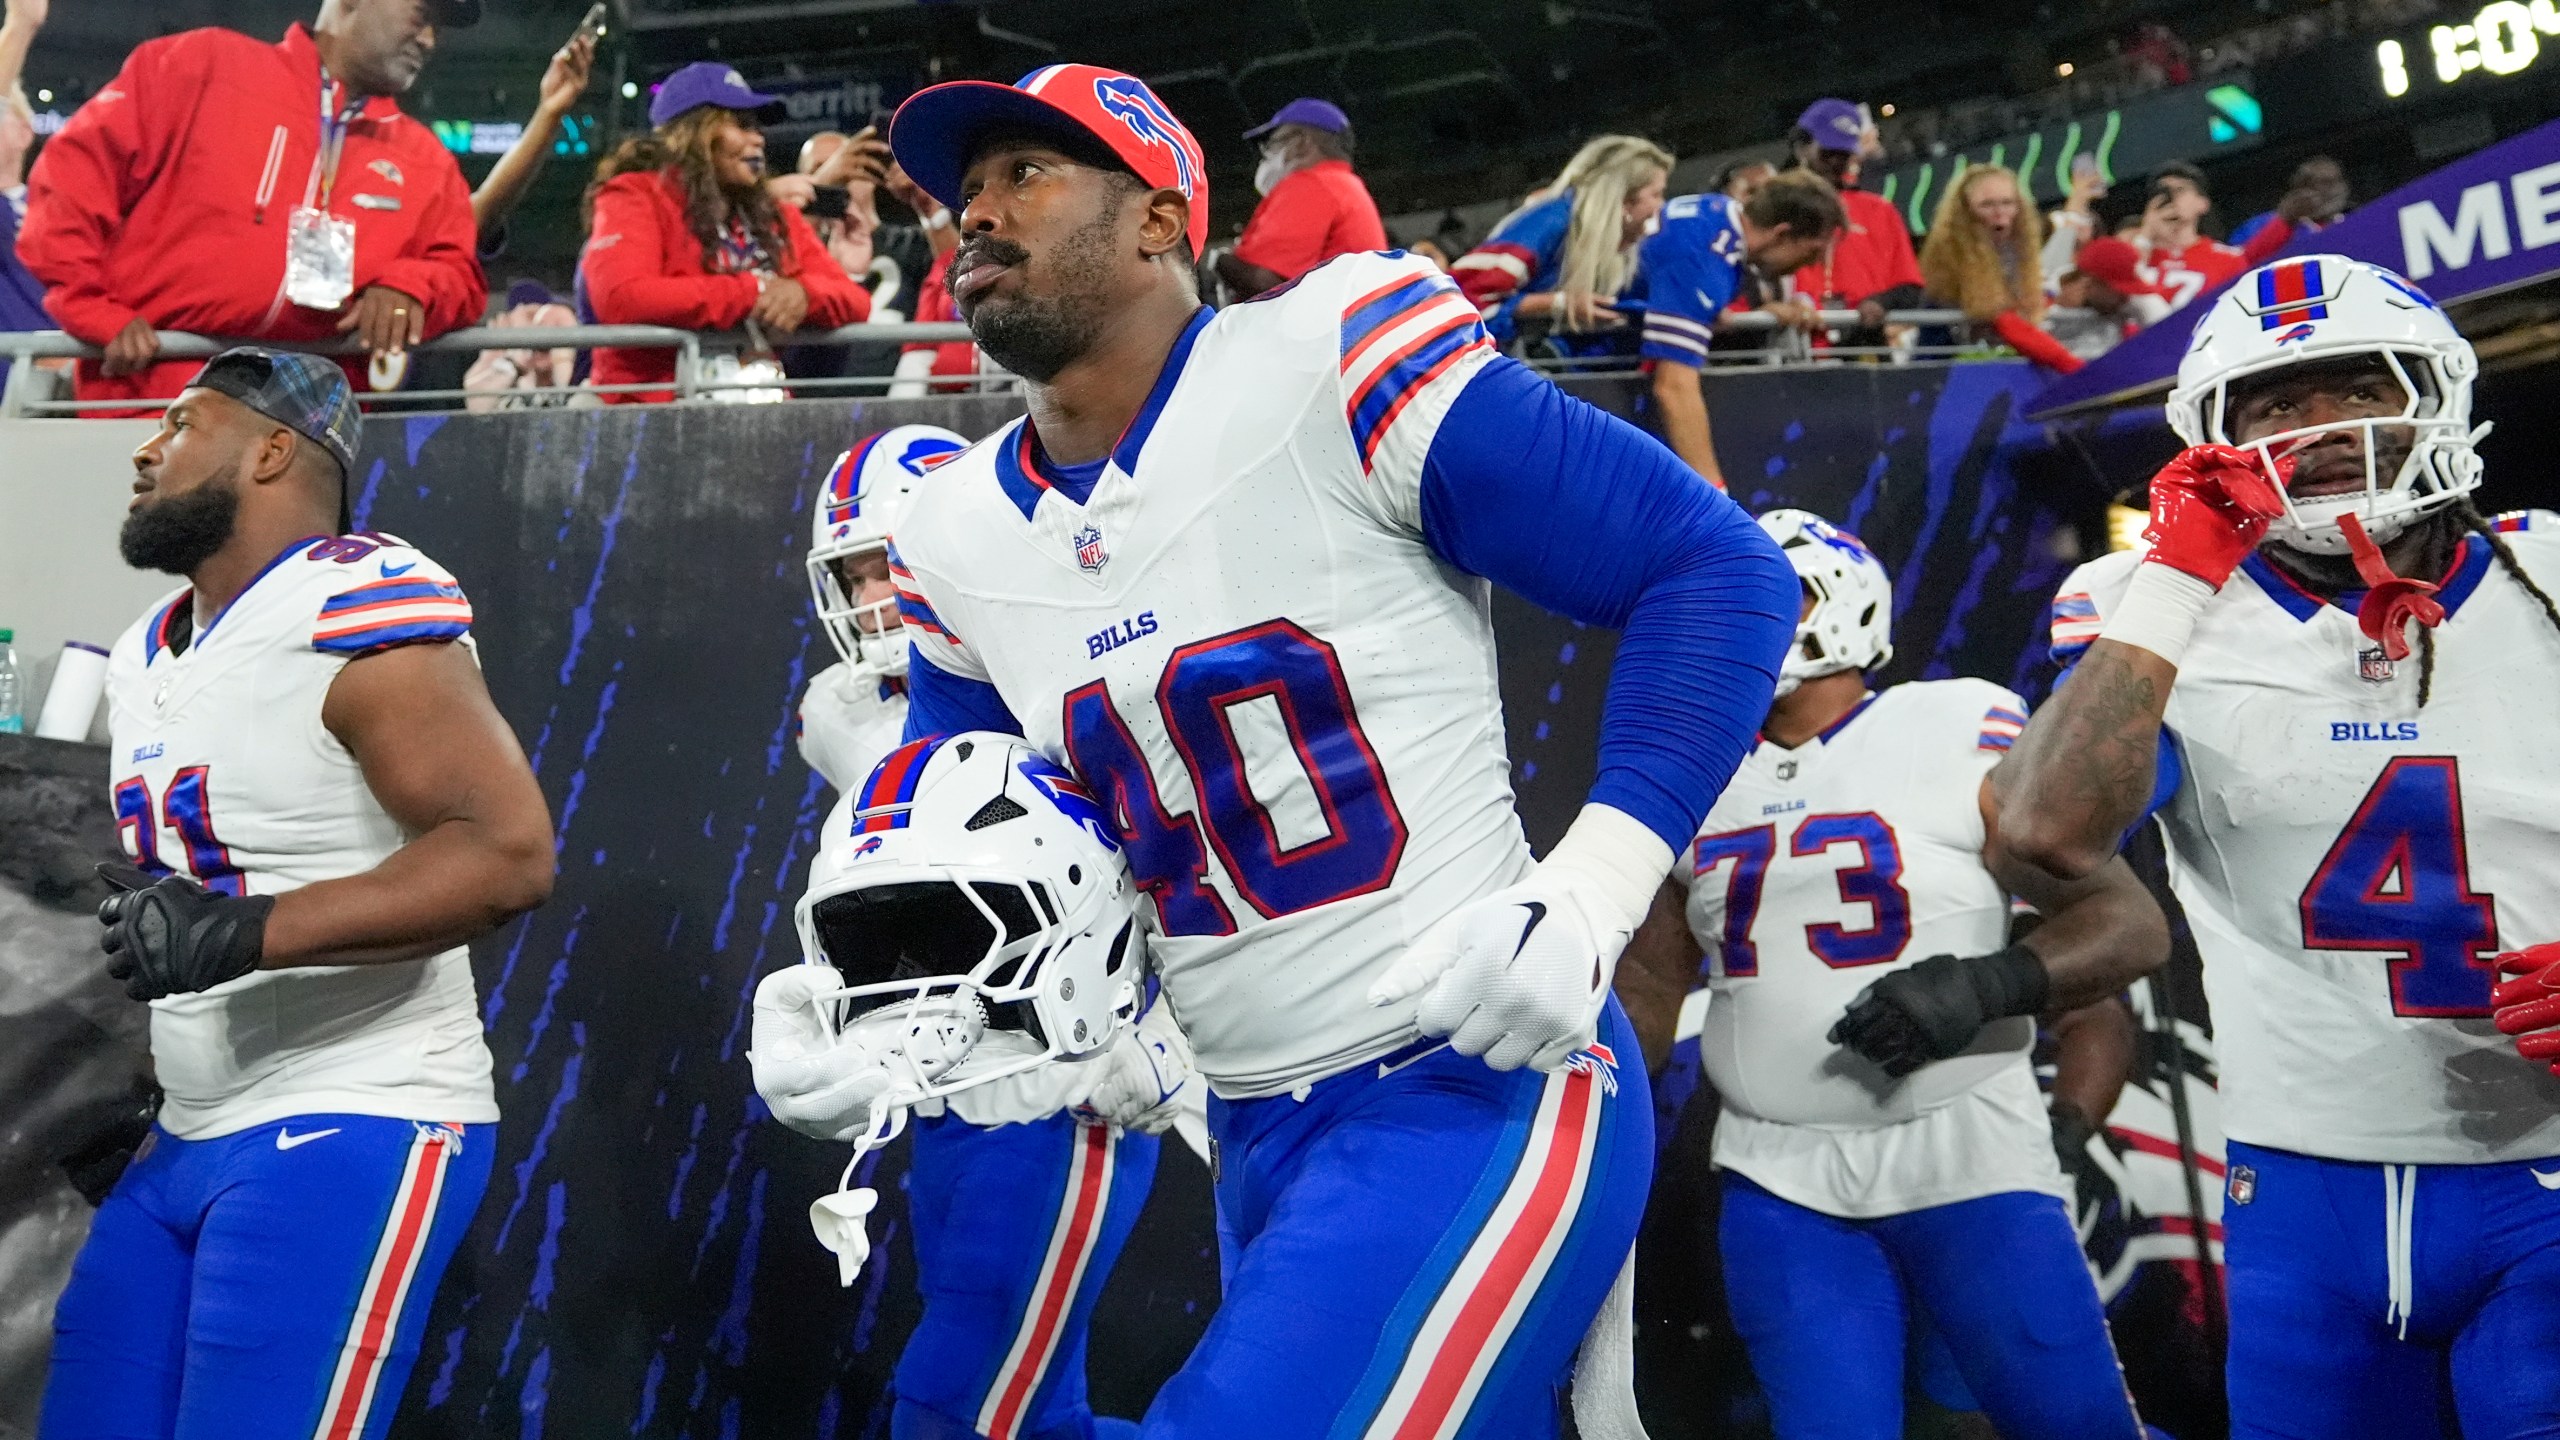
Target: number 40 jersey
(2349,861)
(1241,640)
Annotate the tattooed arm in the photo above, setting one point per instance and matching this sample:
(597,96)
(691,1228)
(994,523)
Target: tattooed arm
(2083,772)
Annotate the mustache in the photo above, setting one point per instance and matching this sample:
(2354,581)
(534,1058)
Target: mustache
(982,250)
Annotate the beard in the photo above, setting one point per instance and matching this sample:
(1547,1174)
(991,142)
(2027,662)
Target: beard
(178,534)
(1037,337)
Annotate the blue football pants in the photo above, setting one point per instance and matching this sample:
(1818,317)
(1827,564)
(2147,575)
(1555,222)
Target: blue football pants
(1016,1229)
(273,1282)
(1415,1248)
(1825,1306)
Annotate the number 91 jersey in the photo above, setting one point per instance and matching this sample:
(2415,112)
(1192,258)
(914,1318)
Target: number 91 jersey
(1239,639)
(2349,862)
(224,772)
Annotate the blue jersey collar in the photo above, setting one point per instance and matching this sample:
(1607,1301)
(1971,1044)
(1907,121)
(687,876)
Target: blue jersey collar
(1025,472)
(2470,567)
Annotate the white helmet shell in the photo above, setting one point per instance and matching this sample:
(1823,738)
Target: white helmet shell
(864,492)
(2327,308)
(1850,626)
(973,890)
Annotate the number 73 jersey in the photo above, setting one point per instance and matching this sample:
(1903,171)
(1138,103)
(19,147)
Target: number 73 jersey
(1240,640)
(2349,861)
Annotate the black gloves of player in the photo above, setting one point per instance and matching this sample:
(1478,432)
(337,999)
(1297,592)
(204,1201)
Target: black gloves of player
(1934,1009)
(171,936)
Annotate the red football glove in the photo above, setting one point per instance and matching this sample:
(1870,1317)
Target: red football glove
(2530,1002)
(2209,509)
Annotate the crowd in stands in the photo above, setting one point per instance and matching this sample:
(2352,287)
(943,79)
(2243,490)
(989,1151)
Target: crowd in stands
(357,222)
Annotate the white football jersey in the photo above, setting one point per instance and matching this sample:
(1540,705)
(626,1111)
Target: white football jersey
(1820,870)
(849,721)
(224,772)
(2349,862)
(1241,642)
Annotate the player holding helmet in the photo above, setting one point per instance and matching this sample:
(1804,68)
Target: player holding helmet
(1227,570)
(1000,1351)
(1868,1037)
(2354,837)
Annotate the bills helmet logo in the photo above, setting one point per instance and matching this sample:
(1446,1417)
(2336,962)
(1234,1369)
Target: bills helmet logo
(1131,103)
(1073,800)
(869,844)
(2298,332)
(1090,556)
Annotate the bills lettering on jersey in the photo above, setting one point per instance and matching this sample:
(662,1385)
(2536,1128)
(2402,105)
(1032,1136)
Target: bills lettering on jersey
(1136,627)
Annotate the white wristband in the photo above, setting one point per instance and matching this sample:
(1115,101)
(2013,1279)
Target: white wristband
(1620,857)
(2159,611)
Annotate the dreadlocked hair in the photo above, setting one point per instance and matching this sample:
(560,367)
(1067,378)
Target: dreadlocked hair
(2479,524)
(684,144)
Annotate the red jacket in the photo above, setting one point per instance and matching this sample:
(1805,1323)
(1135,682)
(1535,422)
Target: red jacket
(167,196)
(1873,255)
(1311,216)
(643,266)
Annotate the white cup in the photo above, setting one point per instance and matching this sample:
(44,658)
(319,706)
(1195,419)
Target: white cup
(79,678)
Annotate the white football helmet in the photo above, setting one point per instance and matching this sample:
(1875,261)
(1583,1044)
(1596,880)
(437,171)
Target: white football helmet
(864,491)
(973,897)
(1850,626)
(2326,308)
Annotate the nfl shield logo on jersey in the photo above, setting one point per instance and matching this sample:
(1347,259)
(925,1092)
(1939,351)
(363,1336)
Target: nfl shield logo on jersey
(1090,556)
(2374,666)
(2244,1184)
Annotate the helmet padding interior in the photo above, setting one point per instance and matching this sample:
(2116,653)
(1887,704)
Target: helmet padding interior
(924,930)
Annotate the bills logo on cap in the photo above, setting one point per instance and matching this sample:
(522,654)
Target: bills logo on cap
(1090,556)
(1128,100)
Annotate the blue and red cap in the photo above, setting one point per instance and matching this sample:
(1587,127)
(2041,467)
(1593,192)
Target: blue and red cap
(936,133)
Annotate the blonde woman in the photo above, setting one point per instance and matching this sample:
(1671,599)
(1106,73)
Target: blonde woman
(1563,257)
(1984,256)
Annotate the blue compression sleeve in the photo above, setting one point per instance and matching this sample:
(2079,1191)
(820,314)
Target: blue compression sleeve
(941,703)
(1586,515)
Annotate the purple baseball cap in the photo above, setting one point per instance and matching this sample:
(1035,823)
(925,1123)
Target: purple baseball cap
(1313,113)
(1833,124)
(709,82)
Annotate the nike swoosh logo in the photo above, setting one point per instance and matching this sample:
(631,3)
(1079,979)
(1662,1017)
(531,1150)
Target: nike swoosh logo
(2548,1182)
(390,571)
(286,1139)
(1537,915)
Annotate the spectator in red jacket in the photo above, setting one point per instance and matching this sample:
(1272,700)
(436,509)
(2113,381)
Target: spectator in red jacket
(166,202)
(1870,267)
(1984,257)
(1312,208)
(683,232)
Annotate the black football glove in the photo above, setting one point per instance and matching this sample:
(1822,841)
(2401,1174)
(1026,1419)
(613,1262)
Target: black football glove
(97,1159)
(171,936)
(1934,1009)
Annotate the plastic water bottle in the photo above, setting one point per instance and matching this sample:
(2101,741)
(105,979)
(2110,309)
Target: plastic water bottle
(13,687)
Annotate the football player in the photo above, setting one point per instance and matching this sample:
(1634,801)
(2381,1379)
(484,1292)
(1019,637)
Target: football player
(1692,266)
(1227,570)
(1868,1034)
(320,806)
(2357,824)
(1000,1350)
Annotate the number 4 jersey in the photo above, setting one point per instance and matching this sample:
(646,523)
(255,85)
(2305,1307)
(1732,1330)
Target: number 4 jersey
(1241,641)
(2349,861)
(1821,869)
(224,772)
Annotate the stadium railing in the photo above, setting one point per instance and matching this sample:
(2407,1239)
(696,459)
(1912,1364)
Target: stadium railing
(693,384)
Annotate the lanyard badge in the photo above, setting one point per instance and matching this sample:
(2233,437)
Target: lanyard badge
(320,248)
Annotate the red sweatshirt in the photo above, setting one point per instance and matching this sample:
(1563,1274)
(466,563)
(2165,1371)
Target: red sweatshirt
(643,266)
(167,196)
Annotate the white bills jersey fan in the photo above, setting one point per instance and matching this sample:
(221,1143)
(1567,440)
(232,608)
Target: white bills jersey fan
(2349,861)
(1820,870)
(1242,641)
(224,772)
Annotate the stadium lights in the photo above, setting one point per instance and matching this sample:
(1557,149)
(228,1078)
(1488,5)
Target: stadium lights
(630,89)
(1888,109)
(2063,69)
(44,97)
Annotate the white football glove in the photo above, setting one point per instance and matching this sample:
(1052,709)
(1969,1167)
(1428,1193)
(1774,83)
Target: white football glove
(830,1085)
(1519,977)
(1141,1085)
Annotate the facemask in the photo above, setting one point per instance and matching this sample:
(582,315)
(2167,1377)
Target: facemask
(1273,169)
